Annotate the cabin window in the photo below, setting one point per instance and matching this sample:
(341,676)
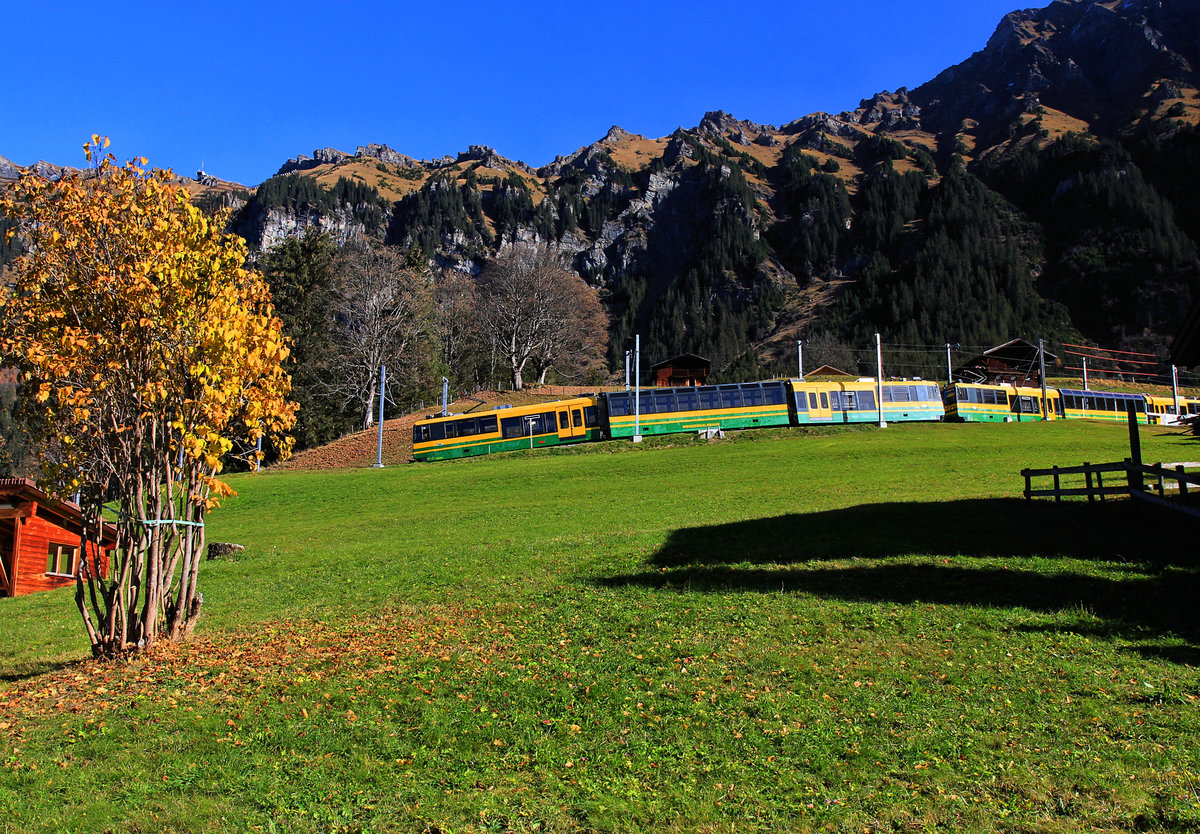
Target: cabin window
(564,420)
(835,400)
(576,418)
(824,401)
(687,400)
(618,406)
(812,401)
(664,402)
(589,416)
(62,559)
(487,425)
(866,400)
(709,399)
(731,398)
(752,395)
(420,433)
(801,402)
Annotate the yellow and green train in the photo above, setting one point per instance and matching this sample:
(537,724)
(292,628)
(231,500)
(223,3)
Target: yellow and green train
(673,410)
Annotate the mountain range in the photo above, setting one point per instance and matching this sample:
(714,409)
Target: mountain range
(1048,186)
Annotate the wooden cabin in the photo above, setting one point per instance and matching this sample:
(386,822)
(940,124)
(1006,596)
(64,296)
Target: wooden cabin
(1013,363)
(39,539)
(685,369)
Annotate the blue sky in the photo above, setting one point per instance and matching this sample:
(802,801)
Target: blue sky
(241,87)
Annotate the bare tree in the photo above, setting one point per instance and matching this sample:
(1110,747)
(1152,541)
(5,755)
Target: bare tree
(539,314)
(457,328)
(383,317)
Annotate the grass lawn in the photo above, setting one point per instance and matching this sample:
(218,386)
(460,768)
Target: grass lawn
(842,629)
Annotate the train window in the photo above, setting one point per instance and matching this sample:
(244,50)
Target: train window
(487,425)
(466,427)
(774,395)
(709,398)
(824,401)
(752,395)
(618,405)
(576,417)
(899,393)
(812,400)
(866,400)
(511,427)
(450,430)
(687,400)
(731,397)
(589,416)
(420,434)
(835,400)
(664,402)
(801,401)
(564,421)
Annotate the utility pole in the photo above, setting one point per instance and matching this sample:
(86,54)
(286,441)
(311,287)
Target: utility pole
(379,444)
(1085,384)
(637,388)
(949,365)
(1042,367)
(879,379)
(1175,387)
(627,369)
(800,358)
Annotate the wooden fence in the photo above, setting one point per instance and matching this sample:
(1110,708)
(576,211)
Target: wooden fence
(1144,482)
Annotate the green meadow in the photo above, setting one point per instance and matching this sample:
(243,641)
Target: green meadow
(836,630)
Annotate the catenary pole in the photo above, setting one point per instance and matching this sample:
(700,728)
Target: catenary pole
(379,444)
(879,379)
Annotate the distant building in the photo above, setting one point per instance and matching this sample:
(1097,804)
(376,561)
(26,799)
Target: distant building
(827,370)
(39,539)
(685,369)
(1015,363)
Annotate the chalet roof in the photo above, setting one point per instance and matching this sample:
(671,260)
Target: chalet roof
(14,491)
(828,370)
(1016,352)
(687,359)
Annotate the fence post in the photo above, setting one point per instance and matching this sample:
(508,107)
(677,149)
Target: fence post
(1136,481)
(1100,483)
(1088,476)
(1162,485)
(1028,497)
(1183,485)
(1057,494)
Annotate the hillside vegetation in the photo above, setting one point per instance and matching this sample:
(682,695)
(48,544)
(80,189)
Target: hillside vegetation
(830,629)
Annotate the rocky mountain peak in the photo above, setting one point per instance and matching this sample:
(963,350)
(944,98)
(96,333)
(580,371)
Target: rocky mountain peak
(385,155)
(491,159)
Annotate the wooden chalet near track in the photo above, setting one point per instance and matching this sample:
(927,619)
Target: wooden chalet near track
(685,369)
(39,539)
(826,371)
(1015,363)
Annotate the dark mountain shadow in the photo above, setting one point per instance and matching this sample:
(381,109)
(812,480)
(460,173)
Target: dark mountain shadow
(1153,599)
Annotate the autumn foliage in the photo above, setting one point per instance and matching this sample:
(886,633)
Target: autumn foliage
(146,348)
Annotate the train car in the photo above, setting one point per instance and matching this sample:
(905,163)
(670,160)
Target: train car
(855,402)
(971,403)
(1161,409)
(742,405)
(1102,405)
(507,429)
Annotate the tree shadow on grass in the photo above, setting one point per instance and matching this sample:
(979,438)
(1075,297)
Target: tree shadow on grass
(1153,599)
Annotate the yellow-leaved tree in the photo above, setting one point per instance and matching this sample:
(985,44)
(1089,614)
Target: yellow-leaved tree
(145,349)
